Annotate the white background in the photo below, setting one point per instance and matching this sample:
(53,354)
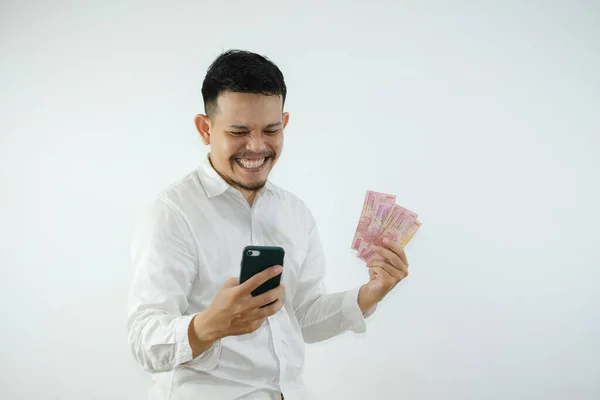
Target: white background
(482,118)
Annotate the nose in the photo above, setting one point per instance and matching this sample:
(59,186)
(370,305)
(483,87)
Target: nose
(256,143)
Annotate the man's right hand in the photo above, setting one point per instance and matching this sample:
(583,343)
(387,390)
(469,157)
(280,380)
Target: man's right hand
(234,311)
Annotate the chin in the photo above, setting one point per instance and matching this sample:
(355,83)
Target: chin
(251,186)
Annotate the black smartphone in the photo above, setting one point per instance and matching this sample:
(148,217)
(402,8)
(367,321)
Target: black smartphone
(256,259)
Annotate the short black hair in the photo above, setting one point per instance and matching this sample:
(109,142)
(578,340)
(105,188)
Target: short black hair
(241,71)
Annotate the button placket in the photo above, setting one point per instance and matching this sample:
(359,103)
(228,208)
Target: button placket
(273,321)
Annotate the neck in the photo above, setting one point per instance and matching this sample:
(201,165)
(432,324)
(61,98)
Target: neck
(249,196)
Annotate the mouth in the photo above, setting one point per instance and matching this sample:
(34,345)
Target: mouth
(252,164)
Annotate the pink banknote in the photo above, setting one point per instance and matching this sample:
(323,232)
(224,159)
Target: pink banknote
(411,232)
(370,208)
(396,232)
(364,246)
(378,222)
(372,233)
(381,218)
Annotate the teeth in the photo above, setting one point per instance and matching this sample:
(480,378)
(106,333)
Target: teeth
(250,164)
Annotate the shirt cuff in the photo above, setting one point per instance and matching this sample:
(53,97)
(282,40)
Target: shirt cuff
(207,360)
(353,316)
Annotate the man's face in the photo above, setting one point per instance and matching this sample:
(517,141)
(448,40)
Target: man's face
(245,134)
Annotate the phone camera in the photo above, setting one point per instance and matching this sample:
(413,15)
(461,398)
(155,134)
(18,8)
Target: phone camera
(249,252)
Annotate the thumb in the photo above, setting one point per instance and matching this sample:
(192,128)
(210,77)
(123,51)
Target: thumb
(231,282)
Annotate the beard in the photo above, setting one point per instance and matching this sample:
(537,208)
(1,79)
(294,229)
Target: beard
(247,187)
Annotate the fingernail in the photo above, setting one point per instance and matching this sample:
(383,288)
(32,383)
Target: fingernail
(386,241)
(278,269)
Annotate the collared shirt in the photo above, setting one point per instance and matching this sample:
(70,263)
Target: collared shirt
(187,244)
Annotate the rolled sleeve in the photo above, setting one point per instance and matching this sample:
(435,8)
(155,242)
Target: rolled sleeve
(207,360)
(184,350)
(165,268)
(322,315)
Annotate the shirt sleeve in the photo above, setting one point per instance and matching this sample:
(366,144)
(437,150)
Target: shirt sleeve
(322,315)
(164,269)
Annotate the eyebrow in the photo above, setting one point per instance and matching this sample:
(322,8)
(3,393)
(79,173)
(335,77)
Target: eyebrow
(271,125)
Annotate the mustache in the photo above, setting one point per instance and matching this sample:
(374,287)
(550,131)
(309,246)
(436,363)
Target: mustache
(250,154)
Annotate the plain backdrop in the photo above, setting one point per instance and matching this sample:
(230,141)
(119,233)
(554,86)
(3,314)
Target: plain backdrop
(481,116)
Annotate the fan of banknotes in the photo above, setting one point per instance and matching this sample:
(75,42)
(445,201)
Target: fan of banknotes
(382,218)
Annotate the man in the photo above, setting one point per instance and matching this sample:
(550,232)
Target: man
(201,333)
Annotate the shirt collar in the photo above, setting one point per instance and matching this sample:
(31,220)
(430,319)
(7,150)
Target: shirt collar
(214,185)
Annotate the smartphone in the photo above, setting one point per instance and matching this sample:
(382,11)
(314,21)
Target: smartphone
(256,259)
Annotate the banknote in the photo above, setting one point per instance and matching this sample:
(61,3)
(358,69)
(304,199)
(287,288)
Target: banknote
(397,222)
(377,224)
(372,200)
(395,233)
(411,232)
(381,218)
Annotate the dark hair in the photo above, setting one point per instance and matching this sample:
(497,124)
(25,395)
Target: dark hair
(242,72)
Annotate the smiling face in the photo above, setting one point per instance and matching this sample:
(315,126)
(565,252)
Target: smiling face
(245,134)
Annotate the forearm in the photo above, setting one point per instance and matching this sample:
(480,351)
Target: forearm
(366,301)
(200,335)
(161,343)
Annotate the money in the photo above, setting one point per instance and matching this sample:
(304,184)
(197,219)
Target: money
(382,219)
(372,199)
(411,232)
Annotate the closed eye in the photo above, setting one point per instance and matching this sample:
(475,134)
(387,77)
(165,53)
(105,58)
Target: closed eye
(272,132)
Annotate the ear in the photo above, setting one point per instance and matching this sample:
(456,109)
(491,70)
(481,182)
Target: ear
(286,118)
(203,126)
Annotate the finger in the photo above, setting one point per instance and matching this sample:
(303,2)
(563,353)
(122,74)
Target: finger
(389,255)
(396,248)
(384,276)
(389,269)
(268,297)
(269,310)
(260,278)
(231,282)
(252,326)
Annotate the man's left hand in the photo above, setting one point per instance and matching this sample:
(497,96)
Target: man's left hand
(384,274)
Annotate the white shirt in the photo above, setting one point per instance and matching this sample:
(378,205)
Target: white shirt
(188,243)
